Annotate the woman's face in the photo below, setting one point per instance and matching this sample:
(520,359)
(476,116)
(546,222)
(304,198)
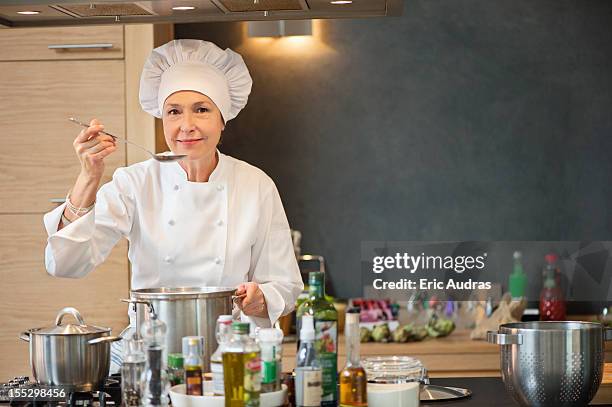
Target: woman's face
(192,124)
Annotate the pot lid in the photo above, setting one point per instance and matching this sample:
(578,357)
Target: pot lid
(80,328)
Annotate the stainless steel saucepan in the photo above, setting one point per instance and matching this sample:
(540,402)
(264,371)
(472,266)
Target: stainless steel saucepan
(73,355)
(551,364)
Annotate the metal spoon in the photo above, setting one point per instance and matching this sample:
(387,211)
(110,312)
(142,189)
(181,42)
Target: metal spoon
(158,157)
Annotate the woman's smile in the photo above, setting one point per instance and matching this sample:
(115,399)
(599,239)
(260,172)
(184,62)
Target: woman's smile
(191,141)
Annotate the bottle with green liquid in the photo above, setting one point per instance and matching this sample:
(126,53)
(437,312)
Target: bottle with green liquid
(326,334)
(518,279)
(241,368)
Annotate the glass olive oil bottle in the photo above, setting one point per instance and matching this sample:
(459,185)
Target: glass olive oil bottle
(193,369)
(326,334)
(241,368)
(353,381)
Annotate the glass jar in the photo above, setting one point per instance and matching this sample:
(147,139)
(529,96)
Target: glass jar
(394,369)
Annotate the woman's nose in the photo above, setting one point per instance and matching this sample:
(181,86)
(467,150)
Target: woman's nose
(187,125)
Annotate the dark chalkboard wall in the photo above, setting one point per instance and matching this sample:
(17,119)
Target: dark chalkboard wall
(460,120)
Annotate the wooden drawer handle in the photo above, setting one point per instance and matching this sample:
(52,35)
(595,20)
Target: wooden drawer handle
(58,200)
(79,46)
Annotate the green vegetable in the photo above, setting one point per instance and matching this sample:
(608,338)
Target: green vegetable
(419,333)
(439,327)
(381,333)
(365,335)
(402,334)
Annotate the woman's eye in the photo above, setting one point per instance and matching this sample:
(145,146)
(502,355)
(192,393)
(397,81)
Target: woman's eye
(173,111)
(202,109)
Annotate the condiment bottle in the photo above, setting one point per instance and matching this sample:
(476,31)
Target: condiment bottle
(223,334)
(326,325)
(552,299)
(308,374)
(242,368)
(517,282)
(176,373)
(193,369)
(270,341)
(353,380)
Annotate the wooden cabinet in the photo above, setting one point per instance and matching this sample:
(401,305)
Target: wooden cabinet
(92,42)
(31,298)
(37,159)
(40,88)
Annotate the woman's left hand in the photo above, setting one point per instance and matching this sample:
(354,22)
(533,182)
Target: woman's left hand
(254,303)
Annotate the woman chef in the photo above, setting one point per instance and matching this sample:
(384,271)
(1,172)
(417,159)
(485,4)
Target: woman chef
(207,220)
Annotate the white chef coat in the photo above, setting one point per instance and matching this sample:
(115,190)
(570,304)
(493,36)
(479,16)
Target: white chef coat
(223,232)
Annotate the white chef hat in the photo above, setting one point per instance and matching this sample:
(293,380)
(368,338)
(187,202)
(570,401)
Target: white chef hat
(195,65)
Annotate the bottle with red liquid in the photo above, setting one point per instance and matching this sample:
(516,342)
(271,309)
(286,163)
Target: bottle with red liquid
(552,299)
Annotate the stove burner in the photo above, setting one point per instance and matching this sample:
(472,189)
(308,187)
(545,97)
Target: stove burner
(109,395)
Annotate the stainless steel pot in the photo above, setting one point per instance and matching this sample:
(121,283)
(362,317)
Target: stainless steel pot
(556,364)
(73,355)
(186,311)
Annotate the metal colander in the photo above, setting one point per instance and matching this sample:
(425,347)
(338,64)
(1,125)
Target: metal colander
(556,364)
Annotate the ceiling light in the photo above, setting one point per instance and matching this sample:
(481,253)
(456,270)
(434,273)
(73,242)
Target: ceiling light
(28,12)
(282,28)
(341,2)
(183,8)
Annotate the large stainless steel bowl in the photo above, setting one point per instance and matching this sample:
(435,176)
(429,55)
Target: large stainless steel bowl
(556,364)
(186,311)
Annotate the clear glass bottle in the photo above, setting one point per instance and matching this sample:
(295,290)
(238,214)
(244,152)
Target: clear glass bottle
(156,389)
(132,372)
(326,334)
(308,373)
(193,369)
(223,334)
(353,380)
(270,341)
(241,368)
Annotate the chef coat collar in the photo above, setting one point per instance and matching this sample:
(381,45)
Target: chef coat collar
(215,177)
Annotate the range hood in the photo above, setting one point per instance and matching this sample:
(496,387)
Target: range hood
(44,13)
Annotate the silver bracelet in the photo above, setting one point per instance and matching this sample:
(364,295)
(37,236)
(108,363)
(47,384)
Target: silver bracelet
(78,212)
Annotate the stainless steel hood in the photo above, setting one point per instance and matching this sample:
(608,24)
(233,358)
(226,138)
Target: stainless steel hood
(79,12)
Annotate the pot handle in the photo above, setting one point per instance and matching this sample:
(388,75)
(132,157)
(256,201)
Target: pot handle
(504,339)
(25,336)
(104,339)
(607,334)
(147,303)
(69,310)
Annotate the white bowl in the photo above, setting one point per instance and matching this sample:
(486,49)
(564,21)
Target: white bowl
(180,399)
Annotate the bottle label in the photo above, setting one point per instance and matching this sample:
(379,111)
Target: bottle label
(326,342)
(216,369)
(193,382)
(269,372)
(308,387)
(252,375)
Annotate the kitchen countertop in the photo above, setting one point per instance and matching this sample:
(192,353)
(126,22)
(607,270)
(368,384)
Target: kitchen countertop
(486,392)
(453,356)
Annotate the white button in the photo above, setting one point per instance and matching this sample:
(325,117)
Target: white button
(217,260)
(171,222)
(168,259)
(220,188)
(176,187)
(219,222)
